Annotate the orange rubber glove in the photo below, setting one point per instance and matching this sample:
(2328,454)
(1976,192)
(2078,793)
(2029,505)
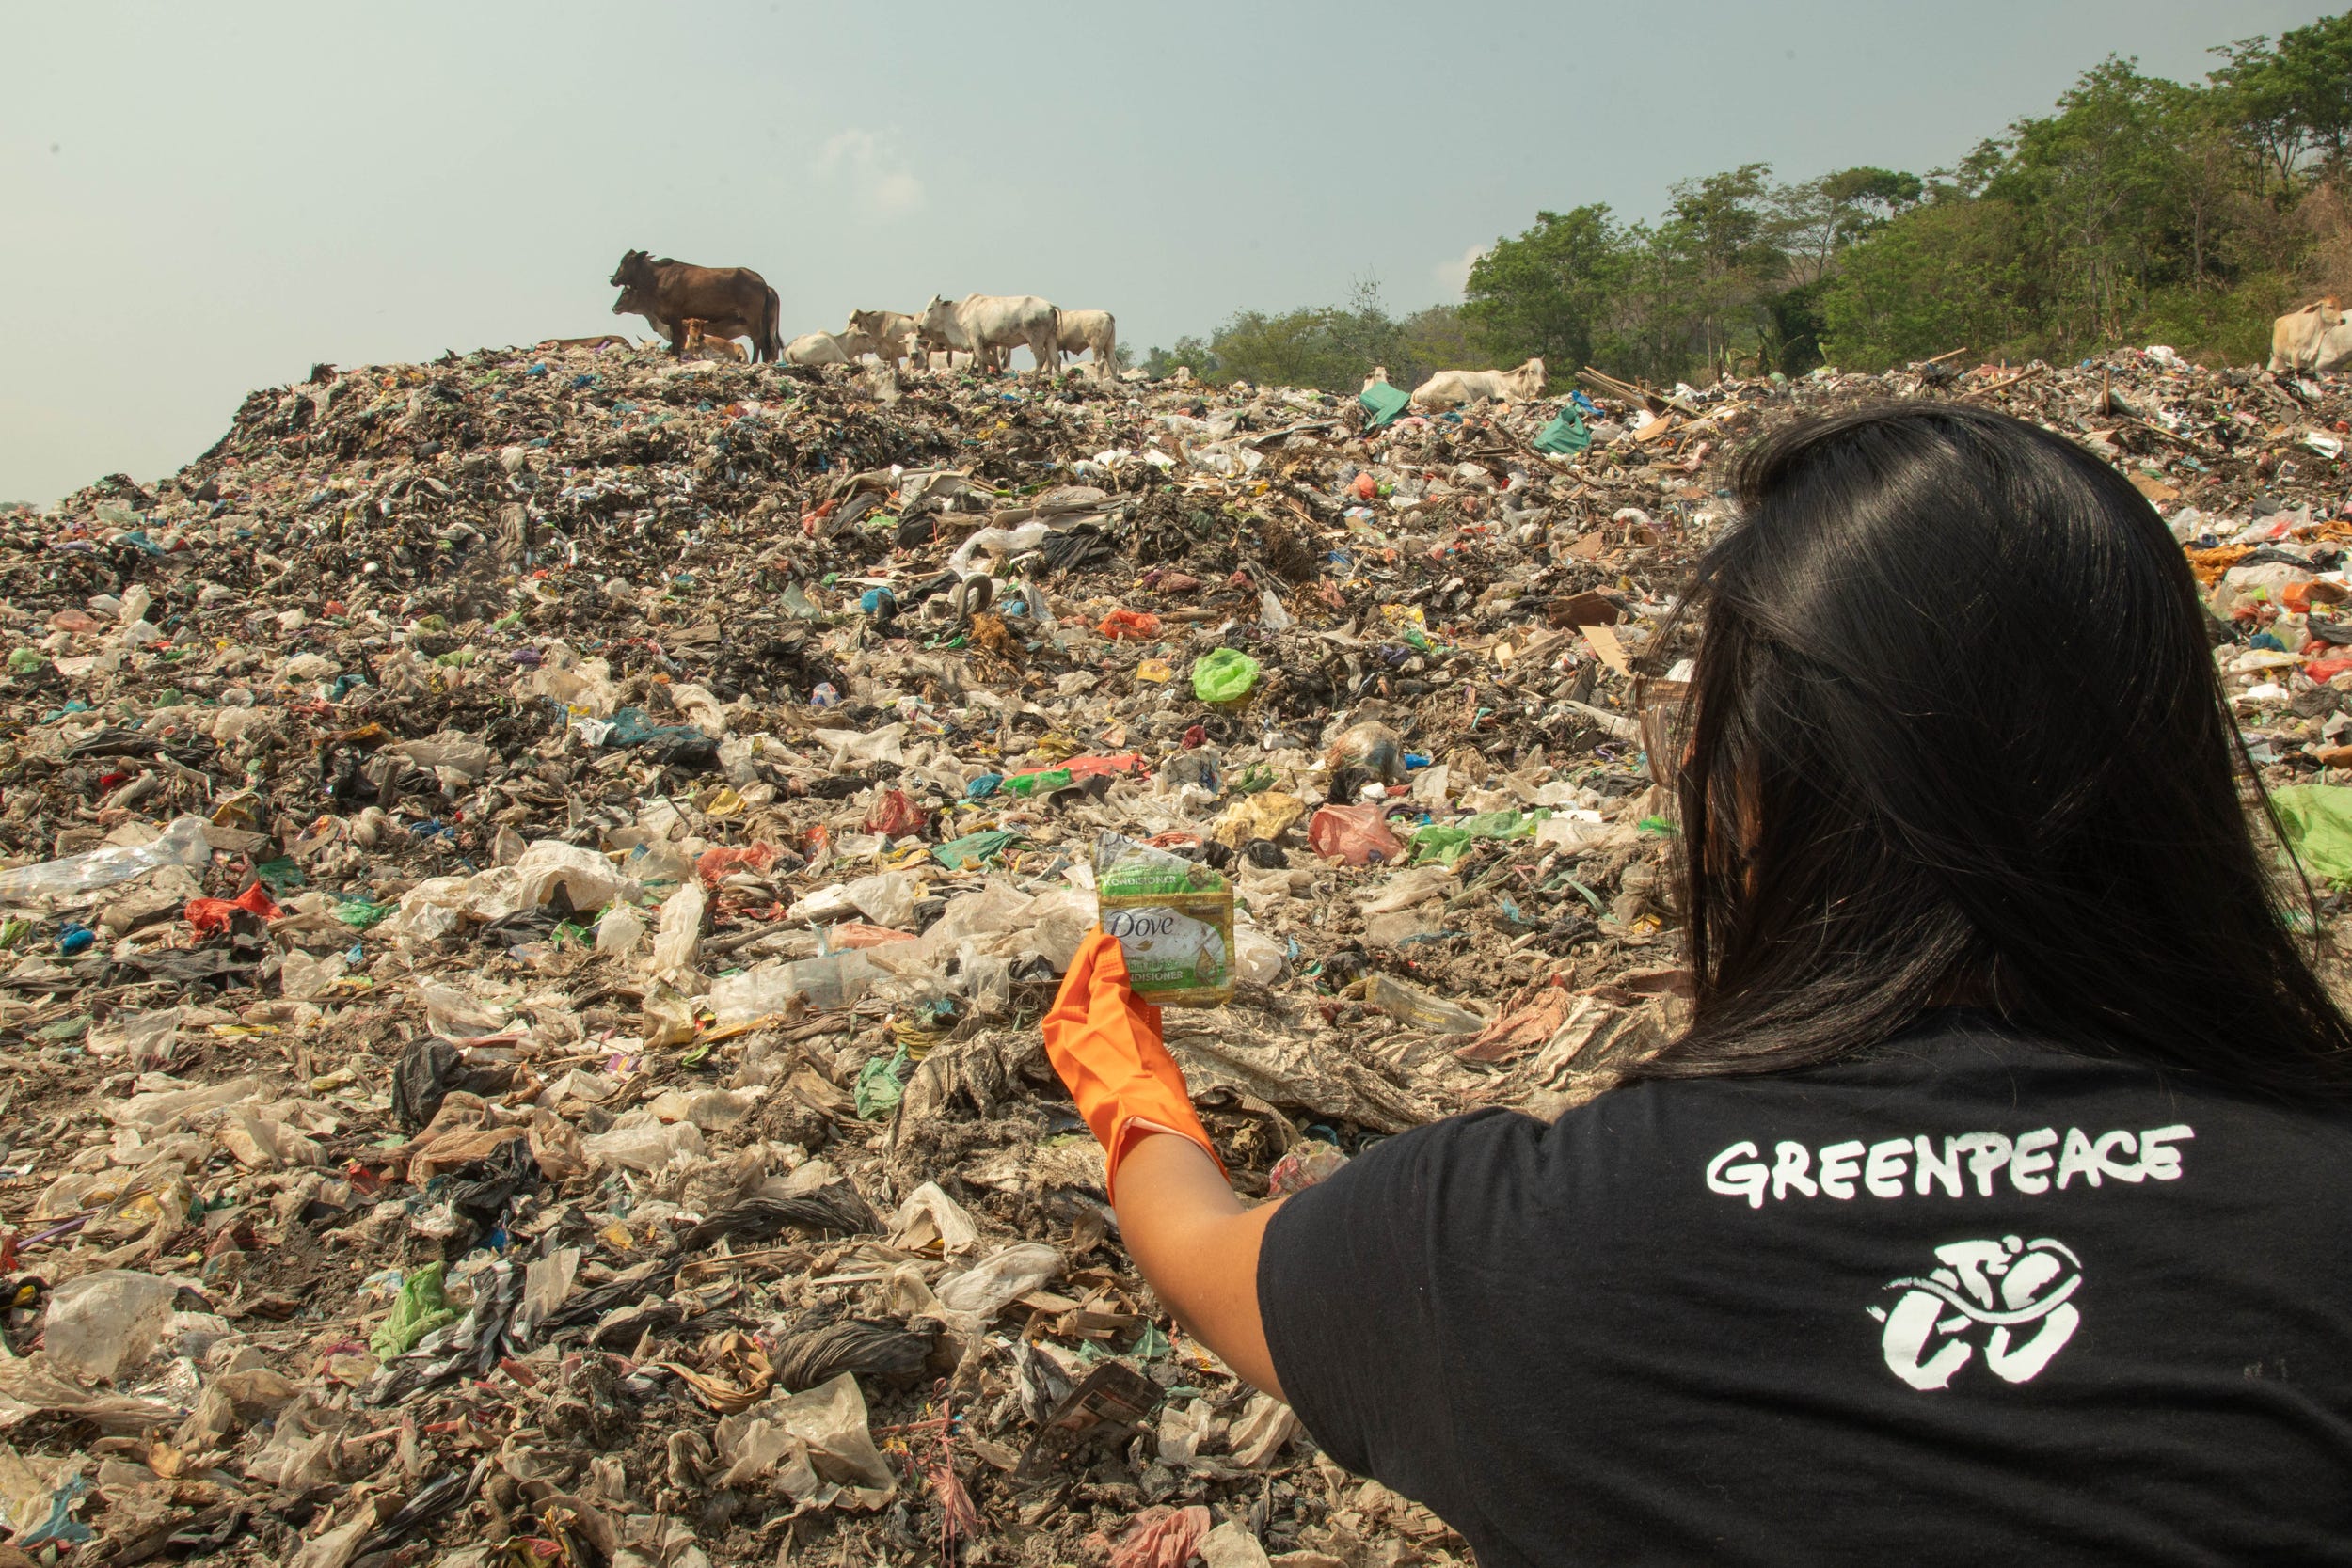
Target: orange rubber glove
(1106,1047)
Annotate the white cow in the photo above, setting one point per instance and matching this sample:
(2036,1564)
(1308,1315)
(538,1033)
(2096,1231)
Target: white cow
(816,348)
(1450,388)
(1091,330)
(981,325)
(891,331)
(2316,337)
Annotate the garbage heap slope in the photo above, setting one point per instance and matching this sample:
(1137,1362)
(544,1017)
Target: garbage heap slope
(534,878)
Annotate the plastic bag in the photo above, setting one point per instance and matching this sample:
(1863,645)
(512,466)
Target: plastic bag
(895,814)
(1258,957)
(757,993)
(834,981)
(105,1323)
(1223,675)
(419,1309)
(454,1015)
(1355,835)
(887,898)
(619,932)
(997,1280)
(210,917)
(678,937)
(304,978)
(881,1084)
(1140,624)
(668,1018)
(2318,823)
(642,1141)
(182,844)
(587,878)
(145,1037)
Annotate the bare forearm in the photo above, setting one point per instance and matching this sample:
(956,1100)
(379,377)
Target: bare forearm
(1198,1247)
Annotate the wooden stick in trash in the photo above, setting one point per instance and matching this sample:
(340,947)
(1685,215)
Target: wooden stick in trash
(2025,374)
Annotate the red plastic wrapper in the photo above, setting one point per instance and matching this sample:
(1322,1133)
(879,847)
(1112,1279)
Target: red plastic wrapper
(1138,624)
(212,915)
(896,815)
(716,866)
(1358,835)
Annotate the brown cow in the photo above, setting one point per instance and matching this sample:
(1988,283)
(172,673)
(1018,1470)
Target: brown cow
(734,302)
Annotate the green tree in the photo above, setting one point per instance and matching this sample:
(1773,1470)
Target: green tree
(1939,278)
(1549,292)
(2097,188)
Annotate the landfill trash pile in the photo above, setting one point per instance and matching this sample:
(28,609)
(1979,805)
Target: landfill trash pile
(530,881)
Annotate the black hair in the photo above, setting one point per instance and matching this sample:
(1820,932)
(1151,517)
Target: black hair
(1954,735)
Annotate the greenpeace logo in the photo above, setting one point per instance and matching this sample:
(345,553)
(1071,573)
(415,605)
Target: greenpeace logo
(2031,1163)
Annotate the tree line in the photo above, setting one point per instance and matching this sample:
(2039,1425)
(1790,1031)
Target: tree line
(2138,210)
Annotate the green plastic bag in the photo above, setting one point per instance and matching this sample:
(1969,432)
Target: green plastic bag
(1383,403)
(1223,675)
(1566,434)
(2318,823)
(1438,842)
(972,849)
(881,1084)
(361,914)
(1044,782)
(1446,842)
(420,1310)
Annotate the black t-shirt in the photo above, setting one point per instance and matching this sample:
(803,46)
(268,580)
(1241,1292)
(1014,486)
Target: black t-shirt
(1961,1299)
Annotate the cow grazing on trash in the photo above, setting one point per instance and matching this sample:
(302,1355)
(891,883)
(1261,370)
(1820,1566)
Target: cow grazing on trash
(1450,388)
(1084,331)
(702,343)
(893,333)
(733,302)
(2316,337)
(981,325)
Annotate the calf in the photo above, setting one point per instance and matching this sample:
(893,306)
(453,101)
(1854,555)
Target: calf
(702,343)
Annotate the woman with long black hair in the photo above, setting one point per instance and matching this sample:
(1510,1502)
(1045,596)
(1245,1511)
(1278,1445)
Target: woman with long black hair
(1993,1207)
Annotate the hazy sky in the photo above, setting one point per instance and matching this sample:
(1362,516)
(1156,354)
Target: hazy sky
(200,200)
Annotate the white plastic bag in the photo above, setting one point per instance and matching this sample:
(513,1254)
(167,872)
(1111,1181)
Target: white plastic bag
(677,937)
(619,932)
(182,844)
(642,1141)
(1000,1278)
(587,878)
(105,1323)
(887,898)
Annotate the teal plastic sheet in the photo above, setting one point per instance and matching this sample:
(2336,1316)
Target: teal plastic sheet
(1383,403)
(1566,434)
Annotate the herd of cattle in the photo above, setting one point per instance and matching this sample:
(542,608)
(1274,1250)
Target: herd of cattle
(701,312)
